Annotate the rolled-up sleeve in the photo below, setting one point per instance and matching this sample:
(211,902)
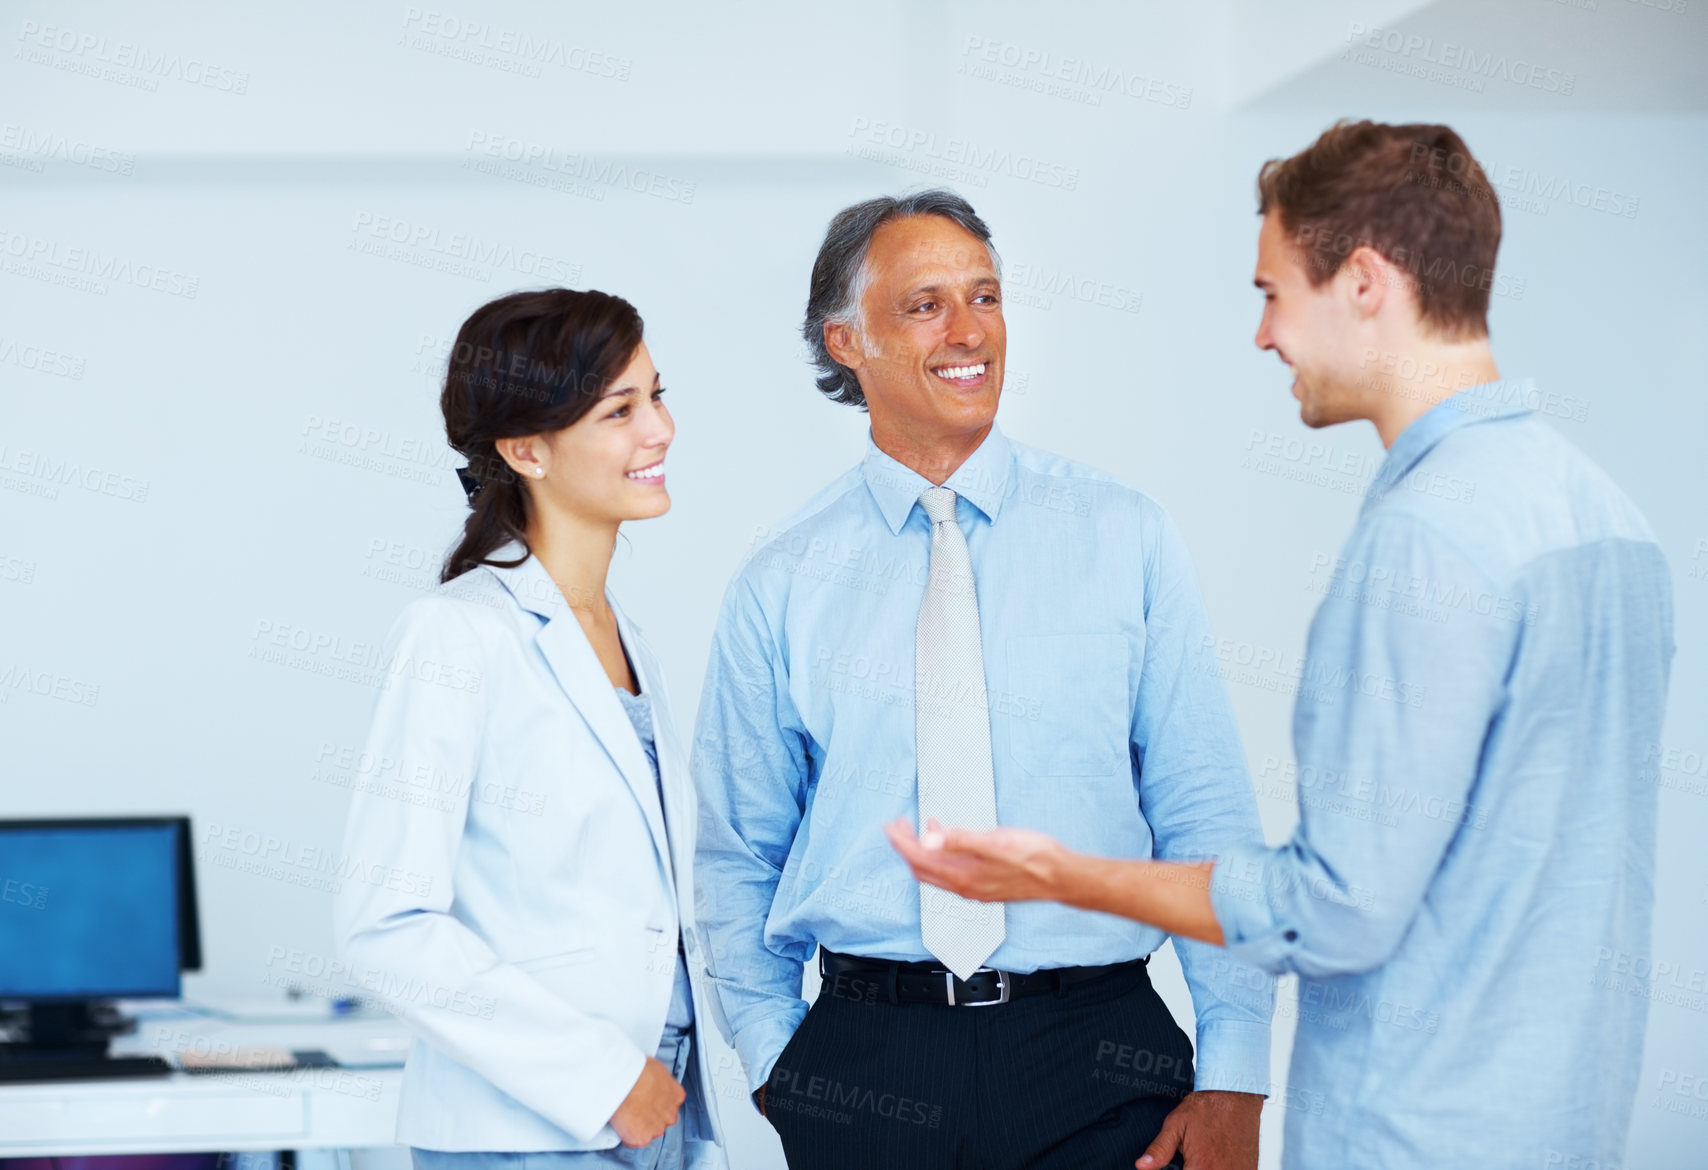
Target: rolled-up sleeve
(1403,675)
(1198,799)
(750,766)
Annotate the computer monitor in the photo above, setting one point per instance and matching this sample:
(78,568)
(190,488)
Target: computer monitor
(91,910)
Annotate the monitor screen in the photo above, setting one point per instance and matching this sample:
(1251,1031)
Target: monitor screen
(90,910)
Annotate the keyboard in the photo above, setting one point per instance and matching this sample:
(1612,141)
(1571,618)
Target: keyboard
(21,1066)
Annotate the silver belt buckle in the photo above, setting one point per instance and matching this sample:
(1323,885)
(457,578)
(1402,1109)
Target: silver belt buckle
(1001,989)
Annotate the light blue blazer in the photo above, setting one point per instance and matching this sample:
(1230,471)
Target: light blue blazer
(528,887)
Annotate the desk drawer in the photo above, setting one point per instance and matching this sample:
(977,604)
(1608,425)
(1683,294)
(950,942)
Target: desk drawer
(103,1114)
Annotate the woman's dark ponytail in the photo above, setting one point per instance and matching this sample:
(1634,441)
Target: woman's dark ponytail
(525,364)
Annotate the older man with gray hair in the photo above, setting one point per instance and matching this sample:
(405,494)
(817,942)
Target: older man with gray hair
(964,629)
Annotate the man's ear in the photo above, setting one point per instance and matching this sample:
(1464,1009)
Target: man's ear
(1370,279)
(843,343)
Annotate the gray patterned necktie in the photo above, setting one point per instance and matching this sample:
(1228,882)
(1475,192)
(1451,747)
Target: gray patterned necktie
(952,735)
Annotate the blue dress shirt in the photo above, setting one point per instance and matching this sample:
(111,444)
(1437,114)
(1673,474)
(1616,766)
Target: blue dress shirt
(1110,730)
(1475,849)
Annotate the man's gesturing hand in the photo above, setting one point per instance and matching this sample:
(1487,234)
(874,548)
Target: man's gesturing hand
(650,1108)
(998,865)
(1212,1131)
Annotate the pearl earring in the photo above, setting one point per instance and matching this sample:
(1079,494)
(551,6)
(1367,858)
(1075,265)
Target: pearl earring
(539,471)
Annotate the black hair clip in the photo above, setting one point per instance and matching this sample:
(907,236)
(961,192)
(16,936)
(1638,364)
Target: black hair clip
(470,481)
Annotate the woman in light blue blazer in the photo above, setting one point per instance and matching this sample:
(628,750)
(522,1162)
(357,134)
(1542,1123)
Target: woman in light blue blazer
(539,937)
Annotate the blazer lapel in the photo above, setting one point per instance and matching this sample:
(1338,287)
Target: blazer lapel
(578,671)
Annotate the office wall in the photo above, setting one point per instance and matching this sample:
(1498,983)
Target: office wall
(234,256)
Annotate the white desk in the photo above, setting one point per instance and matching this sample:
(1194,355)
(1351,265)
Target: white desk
(304,1109)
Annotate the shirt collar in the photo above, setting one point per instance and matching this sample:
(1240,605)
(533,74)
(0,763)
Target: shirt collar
(1484,402)
(983,480)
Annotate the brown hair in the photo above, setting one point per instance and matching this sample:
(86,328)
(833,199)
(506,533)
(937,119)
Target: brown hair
(524,364)
(1413,193)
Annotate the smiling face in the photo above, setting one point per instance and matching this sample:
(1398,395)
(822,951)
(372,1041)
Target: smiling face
(930,344)
(1318,331)
(607,466)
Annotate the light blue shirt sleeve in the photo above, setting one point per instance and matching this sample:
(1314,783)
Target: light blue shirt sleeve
(1198,799)
(750,766)
(1392,716)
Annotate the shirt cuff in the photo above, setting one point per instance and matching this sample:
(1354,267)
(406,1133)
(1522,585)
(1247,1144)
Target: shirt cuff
(1233,1057)
(762,1042)
(1239,899)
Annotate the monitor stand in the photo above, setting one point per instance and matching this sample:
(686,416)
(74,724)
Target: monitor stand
(68,1041)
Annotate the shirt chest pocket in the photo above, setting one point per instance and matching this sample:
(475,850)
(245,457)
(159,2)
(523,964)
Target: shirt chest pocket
(1065,704)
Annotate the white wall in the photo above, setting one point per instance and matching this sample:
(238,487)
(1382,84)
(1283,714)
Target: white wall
(249,523)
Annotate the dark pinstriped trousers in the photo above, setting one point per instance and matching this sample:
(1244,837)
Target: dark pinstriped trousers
(1073,1080)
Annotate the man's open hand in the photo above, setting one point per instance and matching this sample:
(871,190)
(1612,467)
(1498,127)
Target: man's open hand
(998,865)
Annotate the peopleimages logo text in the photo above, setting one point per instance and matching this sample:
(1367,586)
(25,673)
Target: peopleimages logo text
(1449,55)
(965,152)
(151,63)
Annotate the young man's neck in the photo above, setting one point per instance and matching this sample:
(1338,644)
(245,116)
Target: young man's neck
(1407,381)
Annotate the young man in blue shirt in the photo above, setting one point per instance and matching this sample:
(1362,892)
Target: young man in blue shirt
(1480,683)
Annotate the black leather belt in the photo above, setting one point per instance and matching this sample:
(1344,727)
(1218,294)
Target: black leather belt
(875,980)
